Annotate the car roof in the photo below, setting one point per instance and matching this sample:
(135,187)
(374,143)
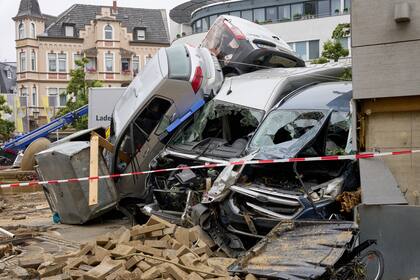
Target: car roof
(323,96)
(253,92)
(262,89)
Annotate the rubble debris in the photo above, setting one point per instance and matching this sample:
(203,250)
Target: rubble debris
(349,200)
(18,217)
(20,273)
(142,252)
(6,250)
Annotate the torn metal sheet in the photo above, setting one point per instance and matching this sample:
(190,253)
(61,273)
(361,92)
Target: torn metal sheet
(297,250)
(378,184)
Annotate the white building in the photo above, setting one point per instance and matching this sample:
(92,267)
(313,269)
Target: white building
(305,25)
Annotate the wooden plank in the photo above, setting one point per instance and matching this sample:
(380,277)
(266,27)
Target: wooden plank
(110,148)
(93,170)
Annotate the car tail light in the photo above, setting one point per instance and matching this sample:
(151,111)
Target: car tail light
(235,31)
(197,80)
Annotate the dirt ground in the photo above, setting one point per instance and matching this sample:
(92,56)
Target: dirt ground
(26,208)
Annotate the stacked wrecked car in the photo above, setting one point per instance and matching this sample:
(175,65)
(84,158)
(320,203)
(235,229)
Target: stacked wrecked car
(243,95)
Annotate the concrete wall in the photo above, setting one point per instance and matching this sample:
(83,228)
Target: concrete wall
(393,131)
(386,83)
(386,54)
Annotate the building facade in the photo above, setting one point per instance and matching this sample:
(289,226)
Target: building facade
(305,25)
(8,87)
(117,41)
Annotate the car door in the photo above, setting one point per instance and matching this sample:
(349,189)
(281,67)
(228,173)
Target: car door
(141,142)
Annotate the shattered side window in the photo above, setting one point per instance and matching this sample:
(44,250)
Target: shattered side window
(338,133)
(220,120)
(285,127)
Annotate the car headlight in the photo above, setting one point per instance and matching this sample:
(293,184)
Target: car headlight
(327,190)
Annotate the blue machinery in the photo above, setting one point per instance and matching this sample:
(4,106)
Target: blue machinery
(21,142)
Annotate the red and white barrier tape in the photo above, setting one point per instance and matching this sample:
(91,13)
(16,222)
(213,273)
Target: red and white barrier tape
(213,165)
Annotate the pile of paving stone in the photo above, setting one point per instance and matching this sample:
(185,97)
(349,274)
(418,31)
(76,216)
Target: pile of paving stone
(155,250)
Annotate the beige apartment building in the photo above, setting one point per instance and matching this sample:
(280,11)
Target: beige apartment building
(117,41)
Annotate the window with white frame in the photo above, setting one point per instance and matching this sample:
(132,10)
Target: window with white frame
(108,30)
(34,96)
(109,62)
(141,35)
(21,31)
(24,97)
(52,62)
(62,97)
(91,65)
(9,74)
(125,64)
(344,42)
(53,97)
(33,60)
(147,59)
(22,61)
(136,65)
(33,30)
(306,49)
(69,31)
(62,62)
(76,57)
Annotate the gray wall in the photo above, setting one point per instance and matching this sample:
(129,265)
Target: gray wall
(396,229)
(386,55)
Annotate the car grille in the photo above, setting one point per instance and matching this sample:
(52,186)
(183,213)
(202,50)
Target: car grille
(260,201)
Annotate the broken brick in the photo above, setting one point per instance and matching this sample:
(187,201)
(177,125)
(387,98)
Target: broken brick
(149,250)
(122,250)
(106,267)
(133,261)
(154,272)
(182,236)
(176,272)
(144,266)
(156,243)
(194,276)
(146,229)
(124,237)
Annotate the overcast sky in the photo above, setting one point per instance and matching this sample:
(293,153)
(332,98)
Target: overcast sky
(9,8)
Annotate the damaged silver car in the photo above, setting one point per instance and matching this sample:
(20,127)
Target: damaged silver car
(173,85)
(250,200)
(218,132)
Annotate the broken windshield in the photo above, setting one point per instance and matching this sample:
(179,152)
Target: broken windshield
(220,120)
(288,130)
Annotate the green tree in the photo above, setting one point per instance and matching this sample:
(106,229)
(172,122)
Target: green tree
(6,127)
(334,50)
(77,90)
(341,30)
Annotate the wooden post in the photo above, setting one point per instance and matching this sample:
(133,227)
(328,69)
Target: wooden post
(93,170)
